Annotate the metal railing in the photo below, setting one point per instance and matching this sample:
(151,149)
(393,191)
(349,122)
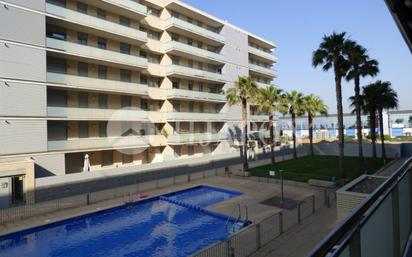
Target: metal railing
(380,226)
(250,239)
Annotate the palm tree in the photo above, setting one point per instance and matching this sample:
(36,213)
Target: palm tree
(293,104)
(312,106)
(331,54)
(384,97)
(267,99)
(360,66)
(245,91)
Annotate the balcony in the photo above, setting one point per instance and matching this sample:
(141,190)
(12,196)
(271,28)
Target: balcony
(196,116)
(177,139)
(74,113)
(263,85)
(192,52)
(95,23)
(98,143)
(195,95)
(194,73)
(189,27)
(95,53)
(127,5)
(88,83)
(262,54)
(262,70)
(259,118)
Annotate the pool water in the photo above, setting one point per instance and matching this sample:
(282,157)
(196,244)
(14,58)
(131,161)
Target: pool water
(155,227)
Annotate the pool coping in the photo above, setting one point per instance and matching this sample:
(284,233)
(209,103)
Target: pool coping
(83,214)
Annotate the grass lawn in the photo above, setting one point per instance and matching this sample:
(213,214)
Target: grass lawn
(317,167)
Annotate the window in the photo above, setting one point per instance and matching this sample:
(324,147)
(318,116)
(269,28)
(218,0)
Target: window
(101,43)
(102,101)
(56,65)
(61,3)
(154,82)
(199,23)
(211,28)
(124,21)
(153,34)
(81,7)
(200,86)
(82,38)
(191,149)
(190,63)
(175,37)
(126,101)
(83,99)
(143,80)
(175,84)
(125,75)
(199,44)
(178,149)
(201,108)
(175,60)
(200,65)
(102,72)
(82,69)
(153,58)
(175,14)
(176,106)
(191,106)
(56,32)
(83,129)
(190,41)
(107,158)
(127,158)
(143,54)
(212,48)
(103,129)
(190,20)
(190,85)
(144,104)
(101,13)
(56,97)
(124,48)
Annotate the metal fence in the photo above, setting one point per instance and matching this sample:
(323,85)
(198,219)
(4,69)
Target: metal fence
(250,239)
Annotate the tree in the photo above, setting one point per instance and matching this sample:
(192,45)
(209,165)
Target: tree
(312,106)
(360,65)
(331,54)
(268,99)
(293,104)
(244,92)
(383,96)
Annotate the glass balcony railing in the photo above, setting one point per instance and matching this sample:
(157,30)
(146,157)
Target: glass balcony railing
(262,70)
(262,54)
(96,114)
(98,143)
(175,45)
(190,72)
(196,95)
(193,116)
(196,138)
(130,6)
(258,118)
(182,24)
(96,53)
(96,23)
(97,84)
(260,84)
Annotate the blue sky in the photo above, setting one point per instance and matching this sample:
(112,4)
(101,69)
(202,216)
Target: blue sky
(297,28)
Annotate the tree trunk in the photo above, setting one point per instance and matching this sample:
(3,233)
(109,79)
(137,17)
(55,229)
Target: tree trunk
(310,122)
(381,134)
(372,125)
(272,138)
(359,125)
(245,143)
(338,79)
(295,155)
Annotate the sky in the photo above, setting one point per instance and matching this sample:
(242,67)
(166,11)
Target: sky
(297,28)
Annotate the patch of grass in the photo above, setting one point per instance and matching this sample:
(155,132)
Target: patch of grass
(318,167)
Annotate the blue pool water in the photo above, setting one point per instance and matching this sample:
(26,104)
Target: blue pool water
(157,227)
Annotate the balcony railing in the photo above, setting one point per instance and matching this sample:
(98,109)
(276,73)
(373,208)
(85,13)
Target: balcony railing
(379,226)
(196,138)
(96,114)
(175,45)
(130,6)
(98,143)
(258,118)
(96,53)
(190,72)
(196,116)
(260,84)
(96,23)
(262,54)
(97,84)
(262,70)
(179,23)
(195,95)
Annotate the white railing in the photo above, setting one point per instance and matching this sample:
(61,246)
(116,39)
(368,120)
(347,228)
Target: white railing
(175,45)
(192,116)
(190,94)
(262,53)
(96,114)
(196,138)
(191,72)
(176,22)
(262,70)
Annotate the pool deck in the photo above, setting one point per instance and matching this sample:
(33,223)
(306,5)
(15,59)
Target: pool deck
(253,192)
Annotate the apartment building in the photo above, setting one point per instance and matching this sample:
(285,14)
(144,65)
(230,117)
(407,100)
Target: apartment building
(120,82)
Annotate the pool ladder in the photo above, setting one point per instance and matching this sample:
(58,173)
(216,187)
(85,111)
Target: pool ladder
(239,217)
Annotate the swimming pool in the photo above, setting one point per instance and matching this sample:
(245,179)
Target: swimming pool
(170,225)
